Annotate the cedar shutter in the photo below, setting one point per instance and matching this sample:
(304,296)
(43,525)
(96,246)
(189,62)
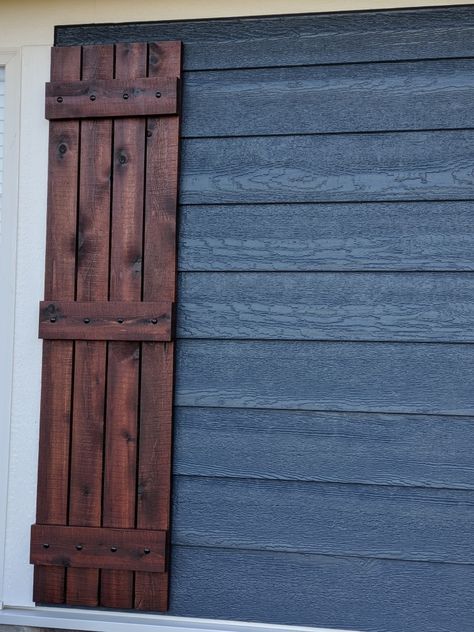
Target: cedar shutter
(103,508)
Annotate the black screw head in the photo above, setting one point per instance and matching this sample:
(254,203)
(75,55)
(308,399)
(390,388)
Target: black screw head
(59,99)
(154,320)
(147,551)
(122,159)
(113,549)
(45,546)
(157,95)
(92,97)
(87,321)
(79,547)
(62,148)
(149,133)
(52,319)
(125,95)
(120,320)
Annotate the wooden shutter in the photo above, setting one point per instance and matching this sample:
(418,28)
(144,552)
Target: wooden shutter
(103,508)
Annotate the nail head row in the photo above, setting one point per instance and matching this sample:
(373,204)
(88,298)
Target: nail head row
(113,549)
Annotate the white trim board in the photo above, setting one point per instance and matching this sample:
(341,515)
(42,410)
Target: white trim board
(27,209)
(10,60)
(100,621)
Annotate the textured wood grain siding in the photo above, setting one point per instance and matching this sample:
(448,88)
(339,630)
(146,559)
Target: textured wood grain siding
(301,39)
(366,97)
(328,306)
(384,521)
(336,168)
(402,236)
(323,461)
(370,593)
(384,449)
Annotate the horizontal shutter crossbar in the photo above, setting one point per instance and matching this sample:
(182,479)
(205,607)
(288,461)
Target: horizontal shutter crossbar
(108,320)
(150,96)
(99,547)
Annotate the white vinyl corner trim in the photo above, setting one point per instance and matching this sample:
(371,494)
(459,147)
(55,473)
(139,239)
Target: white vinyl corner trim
(100,621)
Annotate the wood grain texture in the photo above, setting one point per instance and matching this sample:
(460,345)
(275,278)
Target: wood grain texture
(304,237)
(159,282)
(300,39)
(56,389)
(123,371)
(380,449)
(402,166)
(351,98)
(108,320)
(101,547)
(340,592)
(107,284)
(85,494)
(419,307)
(85,501)
(112,98)
(375,377)
(331,519)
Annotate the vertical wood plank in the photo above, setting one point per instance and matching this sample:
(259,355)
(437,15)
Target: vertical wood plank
(55,417)
(120,468)
(85,503)
(159,280)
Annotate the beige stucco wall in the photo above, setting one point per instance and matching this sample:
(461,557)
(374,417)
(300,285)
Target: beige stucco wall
(30,22)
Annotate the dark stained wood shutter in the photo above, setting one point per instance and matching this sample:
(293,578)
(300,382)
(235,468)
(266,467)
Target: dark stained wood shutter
(103,508)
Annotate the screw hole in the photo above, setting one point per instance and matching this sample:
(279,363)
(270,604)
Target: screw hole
(149,133)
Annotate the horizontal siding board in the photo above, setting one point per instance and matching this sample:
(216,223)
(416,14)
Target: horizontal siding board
(374,377)
(352,98)
(306,237)
(293,589)
(330,519)
(348,167)
(403,450)
(300,39)
(327,306)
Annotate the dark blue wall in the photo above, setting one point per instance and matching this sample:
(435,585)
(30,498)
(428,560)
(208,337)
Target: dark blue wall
(324,461)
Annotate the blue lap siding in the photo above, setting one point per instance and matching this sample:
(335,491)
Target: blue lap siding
(324,470)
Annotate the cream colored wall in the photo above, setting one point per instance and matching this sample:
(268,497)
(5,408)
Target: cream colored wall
(31,22)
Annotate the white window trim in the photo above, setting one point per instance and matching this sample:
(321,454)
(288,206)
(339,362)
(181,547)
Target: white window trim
(10,59)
